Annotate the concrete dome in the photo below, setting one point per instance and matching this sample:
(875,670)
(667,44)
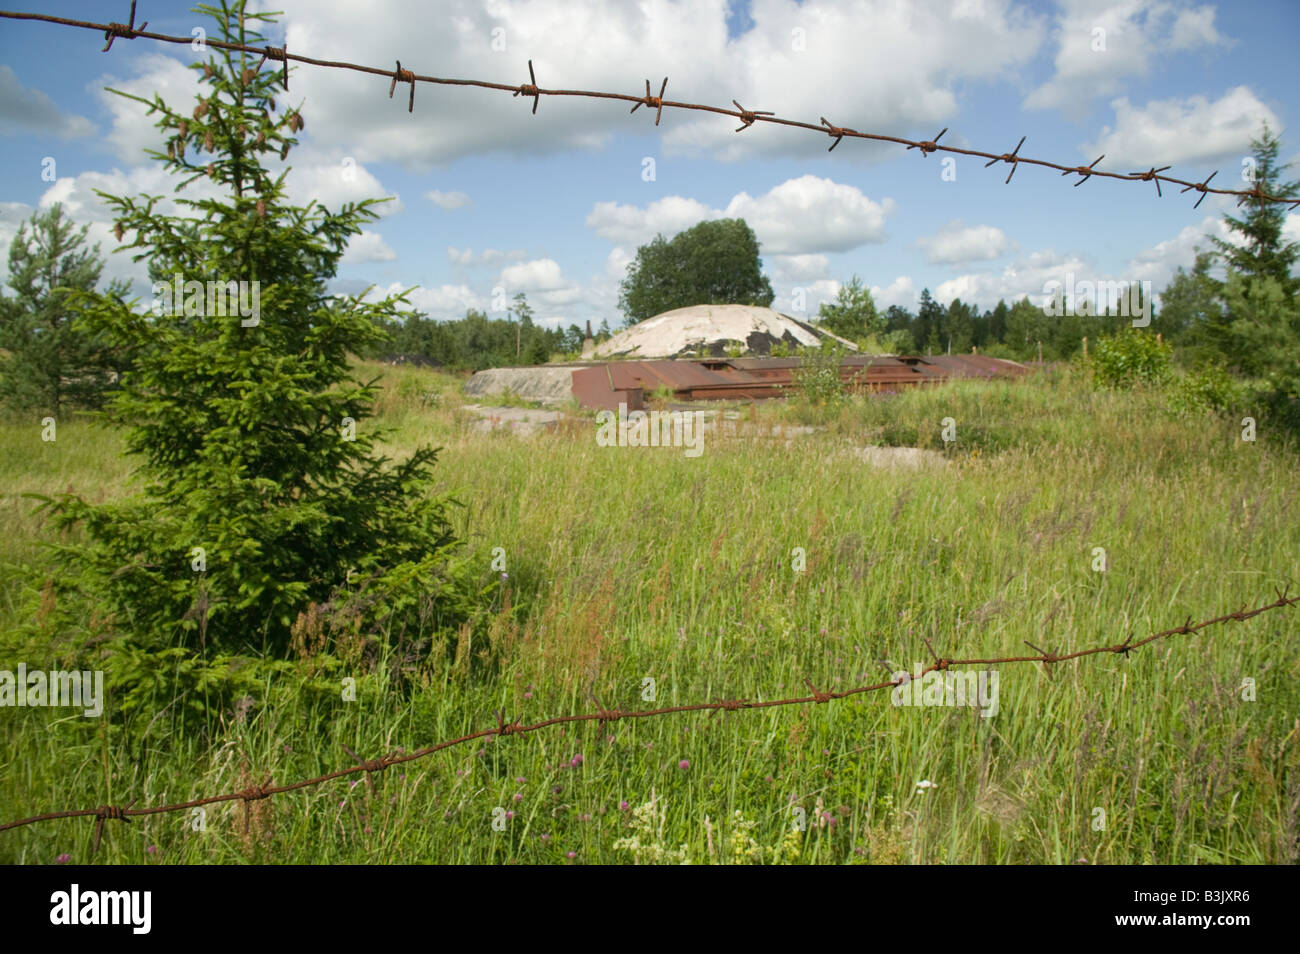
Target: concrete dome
(709,330)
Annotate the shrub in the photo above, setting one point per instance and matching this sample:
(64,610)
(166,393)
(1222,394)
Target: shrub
(1208,389)
(818,376)
(1130,358)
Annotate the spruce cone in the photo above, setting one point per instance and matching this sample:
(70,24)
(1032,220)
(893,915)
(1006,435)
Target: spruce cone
(261,137)
(207,71)
(208,142)
(211,171)
(183,129)
(284,153)
(117,231)
(261,209)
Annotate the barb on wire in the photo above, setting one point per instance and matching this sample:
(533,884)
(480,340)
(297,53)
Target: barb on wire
(747,116)
(928,146)
(654,102)
(405,76)
(838,132)
(604,715)
(1152,177)
(659,104)
(1200,187)
(1011,157)
(1086,171)
(126,31)
(530,89)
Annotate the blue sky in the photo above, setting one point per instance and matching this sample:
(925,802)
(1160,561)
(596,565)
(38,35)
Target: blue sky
(490,197)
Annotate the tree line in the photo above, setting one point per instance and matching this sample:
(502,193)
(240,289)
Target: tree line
(1245,320)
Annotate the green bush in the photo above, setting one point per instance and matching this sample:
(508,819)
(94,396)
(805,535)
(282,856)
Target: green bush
(1208,389)
(818,376)
(1130,358)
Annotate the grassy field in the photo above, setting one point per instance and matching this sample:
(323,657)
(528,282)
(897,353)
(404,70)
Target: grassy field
(635,564)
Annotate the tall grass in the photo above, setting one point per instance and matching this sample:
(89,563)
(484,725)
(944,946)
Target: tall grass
(627,565)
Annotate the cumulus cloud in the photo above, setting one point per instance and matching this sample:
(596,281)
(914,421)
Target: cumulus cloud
(1158,263)
(467,257)
(1195,28)
(1025,276)
(631,226)
(798,268)
(368,247)
(333,182)
(802,216)
(83,205)
(133,130)
(1029,274)
(817,58)
(812,214)
(1171,131)
(447,200)
(544,283)
(901,291)
(1100,47)
(444,301)
(27,111)
(542,274)
(913,58)
(956,242)
(803,301)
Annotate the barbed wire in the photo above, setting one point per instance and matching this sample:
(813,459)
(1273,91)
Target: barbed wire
(747,117)
(604,715)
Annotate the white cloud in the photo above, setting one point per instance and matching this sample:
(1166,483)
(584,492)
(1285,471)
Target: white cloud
(82,203)
(27,111)
(1024,276)
(1172,131)
(910,58)
(812,214)
(617,261)
(1194,28)
(631,226)
(1029,274)
(913,59)
(813,295)
(1100,47)
(798,268)
(445,301)
(901,291)
(1291,227)
(956,242)
(133,130)
(489,256)
(800,216)
(542,274)
(334,182)
(1158,263)
(368,247)
(447,200)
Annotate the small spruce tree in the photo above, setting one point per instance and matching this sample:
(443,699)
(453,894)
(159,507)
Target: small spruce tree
(265,504)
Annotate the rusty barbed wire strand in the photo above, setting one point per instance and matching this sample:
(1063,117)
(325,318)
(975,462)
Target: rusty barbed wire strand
(604,715)
(748,118)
